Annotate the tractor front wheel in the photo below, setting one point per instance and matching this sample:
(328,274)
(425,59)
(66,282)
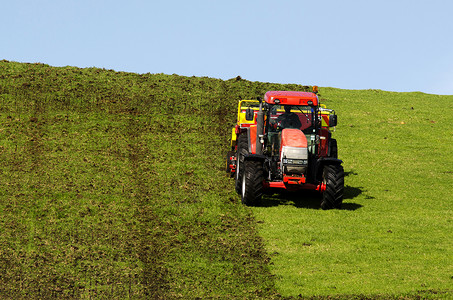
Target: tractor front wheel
(252,182)
(333,178)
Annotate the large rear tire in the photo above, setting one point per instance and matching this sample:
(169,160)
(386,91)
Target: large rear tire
(252,182)
(242,150)
(333,178)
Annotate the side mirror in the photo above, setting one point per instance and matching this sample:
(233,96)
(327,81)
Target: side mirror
(249,114)
(333,120)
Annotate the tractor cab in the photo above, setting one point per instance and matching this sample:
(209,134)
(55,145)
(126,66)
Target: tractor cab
(291,116)
(300,118)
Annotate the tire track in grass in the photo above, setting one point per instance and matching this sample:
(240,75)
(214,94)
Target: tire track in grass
(150,232)
(25,269)
(44,281)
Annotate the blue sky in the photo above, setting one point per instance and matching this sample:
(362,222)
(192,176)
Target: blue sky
(394,45)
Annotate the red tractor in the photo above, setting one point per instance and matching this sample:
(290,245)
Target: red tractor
(284,142)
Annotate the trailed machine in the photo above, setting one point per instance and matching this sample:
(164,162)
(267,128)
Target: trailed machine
(284,142)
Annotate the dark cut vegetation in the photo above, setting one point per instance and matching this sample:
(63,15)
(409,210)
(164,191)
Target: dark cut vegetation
(113,185)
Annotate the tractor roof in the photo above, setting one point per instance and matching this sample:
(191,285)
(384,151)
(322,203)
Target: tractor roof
(291,98)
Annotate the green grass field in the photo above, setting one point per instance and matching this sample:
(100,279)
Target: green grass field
(113,186)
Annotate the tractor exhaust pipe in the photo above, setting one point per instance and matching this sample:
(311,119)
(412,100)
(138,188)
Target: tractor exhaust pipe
(260,128)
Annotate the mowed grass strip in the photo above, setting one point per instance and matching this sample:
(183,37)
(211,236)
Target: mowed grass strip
(394,235)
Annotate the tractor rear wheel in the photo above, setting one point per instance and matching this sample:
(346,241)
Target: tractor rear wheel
(242,150)
(252,182)
(333,178)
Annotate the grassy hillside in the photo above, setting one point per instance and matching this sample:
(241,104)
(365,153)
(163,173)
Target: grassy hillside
(113,186)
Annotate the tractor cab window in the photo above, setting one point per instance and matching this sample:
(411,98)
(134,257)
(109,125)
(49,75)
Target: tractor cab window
(291,116)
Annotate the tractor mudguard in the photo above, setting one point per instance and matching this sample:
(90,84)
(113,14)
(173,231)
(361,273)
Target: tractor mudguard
(251,136)
(233,138)
(329,160)
(250,132)
(321,162)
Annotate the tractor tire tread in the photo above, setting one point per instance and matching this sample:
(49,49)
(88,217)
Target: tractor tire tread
(334,180)
(254,177)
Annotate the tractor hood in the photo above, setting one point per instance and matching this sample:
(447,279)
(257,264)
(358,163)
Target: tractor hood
(293,151)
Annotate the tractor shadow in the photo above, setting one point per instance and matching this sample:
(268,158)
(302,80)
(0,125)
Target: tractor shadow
(312,199)
(299,199)
(309,199)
